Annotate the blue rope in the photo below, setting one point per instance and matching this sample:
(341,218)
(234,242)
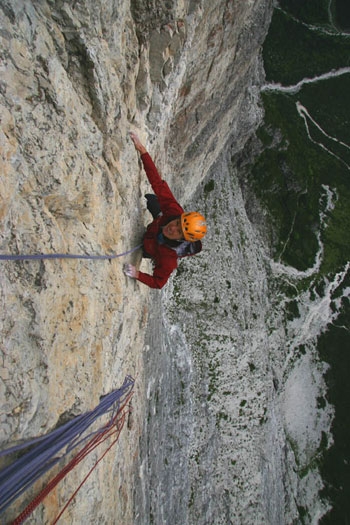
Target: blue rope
(29,257)
(44,450)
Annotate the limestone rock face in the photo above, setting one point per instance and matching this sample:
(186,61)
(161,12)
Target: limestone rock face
(76,77)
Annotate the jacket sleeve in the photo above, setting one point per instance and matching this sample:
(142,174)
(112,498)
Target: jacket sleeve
(160,275)
(168,203)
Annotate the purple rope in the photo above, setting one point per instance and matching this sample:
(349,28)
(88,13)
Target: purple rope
(44,450)
(29,257)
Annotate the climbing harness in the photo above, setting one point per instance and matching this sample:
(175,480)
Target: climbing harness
(29,257)
(44,451)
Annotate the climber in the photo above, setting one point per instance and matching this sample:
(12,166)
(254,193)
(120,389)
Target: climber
(173,232)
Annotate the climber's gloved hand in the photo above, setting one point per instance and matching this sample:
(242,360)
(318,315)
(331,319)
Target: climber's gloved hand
(130,271)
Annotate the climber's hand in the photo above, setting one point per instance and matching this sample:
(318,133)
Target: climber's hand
(137,143)
(130,271)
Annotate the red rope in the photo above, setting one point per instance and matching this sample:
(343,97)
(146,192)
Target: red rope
(90,472)
(107,431)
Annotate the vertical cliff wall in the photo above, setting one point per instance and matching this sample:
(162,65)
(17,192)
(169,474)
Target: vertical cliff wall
(75,78)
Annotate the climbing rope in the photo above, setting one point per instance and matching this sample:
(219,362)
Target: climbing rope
(119,426)
(29,257)
(44,451)
(117,421)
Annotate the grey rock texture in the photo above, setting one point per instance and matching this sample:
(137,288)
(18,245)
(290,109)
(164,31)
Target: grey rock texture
(76,77)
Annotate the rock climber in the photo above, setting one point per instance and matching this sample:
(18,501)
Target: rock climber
(173,232)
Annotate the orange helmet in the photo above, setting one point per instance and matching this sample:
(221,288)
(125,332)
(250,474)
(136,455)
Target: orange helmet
(193,226)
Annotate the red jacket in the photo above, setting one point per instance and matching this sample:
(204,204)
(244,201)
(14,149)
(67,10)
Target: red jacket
(164,257)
